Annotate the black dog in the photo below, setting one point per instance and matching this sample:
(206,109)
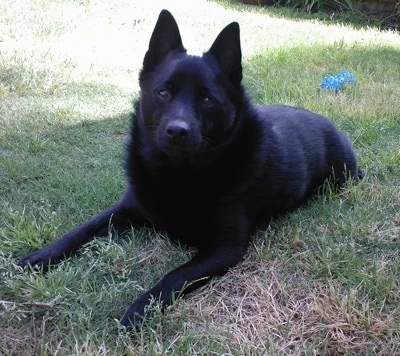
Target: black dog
(206,166)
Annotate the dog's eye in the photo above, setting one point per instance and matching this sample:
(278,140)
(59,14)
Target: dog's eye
(164,94)
(207,102)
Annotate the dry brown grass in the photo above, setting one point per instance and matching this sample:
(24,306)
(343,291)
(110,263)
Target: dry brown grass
(259,304)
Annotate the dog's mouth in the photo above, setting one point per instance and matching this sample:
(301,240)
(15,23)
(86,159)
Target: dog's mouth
(177,152)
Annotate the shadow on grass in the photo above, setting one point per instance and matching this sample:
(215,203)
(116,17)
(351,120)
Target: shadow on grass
(71,168)
(46,160)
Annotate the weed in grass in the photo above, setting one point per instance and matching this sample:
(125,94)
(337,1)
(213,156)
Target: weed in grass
(22,231)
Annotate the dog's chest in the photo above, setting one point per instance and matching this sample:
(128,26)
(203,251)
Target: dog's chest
(186,205)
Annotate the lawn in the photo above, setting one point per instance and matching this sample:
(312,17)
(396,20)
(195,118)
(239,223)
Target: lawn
(324,279)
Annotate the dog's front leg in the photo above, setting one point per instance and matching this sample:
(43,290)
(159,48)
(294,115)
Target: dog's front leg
(210,261)
(120,216)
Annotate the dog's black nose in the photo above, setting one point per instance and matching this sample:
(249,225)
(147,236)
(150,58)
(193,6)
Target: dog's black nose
(177,130)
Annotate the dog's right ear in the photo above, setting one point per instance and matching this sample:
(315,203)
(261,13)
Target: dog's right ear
(165,39)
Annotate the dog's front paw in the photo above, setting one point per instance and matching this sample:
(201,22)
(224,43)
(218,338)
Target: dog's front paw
(38,259)
(133,317)
(141,308)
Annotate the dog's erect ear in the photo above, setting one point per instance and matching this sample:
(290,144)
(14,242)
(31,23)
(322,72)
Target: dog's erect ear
(226,49)
(165,38)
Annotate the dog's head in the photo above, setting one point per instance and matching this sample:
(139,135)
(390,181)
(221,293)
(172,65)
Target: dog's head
(189,103)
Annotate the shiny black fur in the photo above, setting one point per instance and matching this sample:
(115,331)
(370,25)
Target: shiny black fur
(206,166)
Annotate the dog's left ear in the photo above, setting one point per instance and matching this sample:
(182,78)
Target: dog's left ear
(166,38)
(226,49)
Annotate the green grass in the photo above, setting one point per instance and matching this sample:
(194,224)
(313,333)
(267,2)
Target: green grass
(322,280)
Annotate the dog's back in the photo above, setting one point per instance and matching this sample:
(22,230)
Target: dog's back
(301,150)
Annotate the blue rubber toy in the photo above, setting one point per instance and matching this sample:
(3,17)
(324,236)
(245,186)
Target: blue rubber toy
(337,81)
